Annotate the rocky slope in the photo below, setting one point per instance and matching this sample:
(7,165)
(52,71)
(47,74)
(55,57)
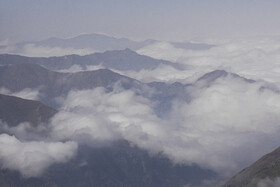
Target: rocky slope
(266,167)
(14,110)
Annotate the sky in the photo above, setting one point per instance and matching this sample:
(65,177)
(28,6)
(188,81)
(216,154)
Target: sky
(157,19)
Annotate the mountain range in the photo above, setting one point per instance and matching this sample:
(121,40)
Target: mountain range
(122,60)
(127,165)
(101,43)
(118,163)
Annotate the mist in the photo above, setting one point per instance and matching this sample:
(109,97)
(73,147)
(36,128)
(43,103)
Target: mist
(219,128)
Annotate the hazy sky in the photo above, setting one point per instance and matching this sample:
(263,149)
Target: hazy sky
(139,19)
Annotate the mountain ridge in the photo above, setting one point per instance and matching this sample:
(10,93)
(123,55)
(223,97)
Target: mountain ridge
(102,42)
(267,166)
(116,59)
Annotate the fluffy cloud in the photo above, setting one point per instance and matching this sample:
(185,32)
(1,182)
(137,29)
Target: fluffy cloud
(32,50)
(103,116)
(32,158)
(225,122)
(219,128)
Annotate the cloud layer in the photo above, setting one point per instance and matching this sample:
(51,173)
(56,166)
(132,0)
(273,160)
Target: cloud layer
(219,128)
(256,58)
(227,124)
(223,123)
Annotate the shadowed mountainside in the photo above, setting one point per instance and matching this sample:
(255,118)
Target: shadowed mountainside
(54,84)
(14,110)
(119,60)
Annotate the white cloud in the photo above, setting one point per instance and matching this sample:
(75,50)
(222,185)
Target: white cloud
(226,123)
(32,50)
(256,58)
(32,158)
(162,73)
(219,129)
(162,50)
(25,131)
(103,116)
(27,93)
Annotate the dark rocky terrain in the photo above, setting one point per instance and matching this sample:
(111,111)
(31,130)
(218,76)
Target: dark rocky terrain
(14,110)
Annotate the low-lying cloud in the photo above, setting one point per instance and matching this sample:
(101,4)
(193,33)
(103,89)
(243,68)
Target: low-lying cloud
(223,123)
(219,128)
(226,125)
(256,58)
(32,158)
(102,116)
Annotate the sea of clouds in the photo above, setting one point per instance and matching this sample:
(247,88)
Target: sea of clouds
(226,125)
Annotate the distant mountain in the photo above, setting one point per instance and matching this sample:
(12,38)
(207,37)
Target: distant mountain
(97,42)
(118,60)
(113,165)
(213,75)
(266,167)
(14,110)
(101,43)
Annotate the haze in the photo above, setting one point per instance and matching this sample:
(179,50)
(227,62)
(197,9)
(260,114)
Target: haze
(157,19)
